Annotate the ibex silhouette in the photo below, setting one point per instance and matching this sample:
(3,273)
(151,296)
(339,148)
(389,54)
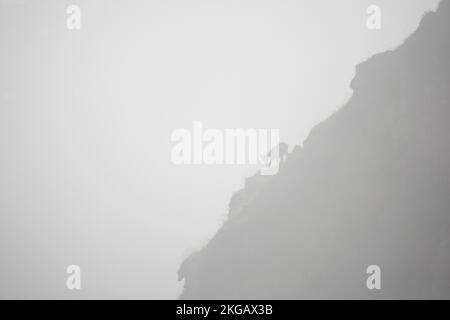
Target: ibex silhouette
(281,155)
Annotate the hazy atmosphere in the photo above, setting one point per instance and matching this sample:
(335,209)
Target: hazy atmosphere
(86,118)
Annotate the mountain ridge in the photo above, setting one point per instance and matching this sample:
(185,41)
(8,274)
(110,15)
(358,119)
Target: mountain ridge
(369,186)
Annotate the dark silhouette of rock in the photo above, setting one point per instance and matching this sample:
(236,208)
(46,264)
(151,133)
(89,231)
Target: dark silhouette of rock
(371,186)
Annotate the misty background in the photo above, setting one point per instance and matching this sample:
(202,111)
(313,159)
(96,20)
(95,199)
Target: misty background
(86,118)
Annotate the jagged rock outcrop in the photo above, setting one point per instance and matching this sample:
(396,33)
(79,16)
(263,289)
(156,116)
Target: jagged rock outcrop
(370,186)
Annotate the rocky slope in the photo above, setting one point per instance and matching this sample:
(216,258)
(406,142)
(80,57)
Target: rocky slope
(370,186)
